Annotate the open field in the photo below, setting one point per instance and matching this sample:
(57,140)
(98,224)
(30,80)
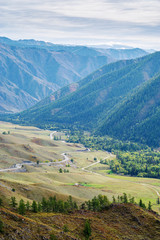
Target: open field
(29,143)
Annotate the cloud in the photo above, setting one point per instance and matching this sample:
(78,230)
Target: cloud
(136,22)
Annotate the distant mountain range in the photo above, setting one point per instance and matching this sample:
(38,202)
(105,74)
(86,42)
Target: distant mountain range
(31,70)
(120,99)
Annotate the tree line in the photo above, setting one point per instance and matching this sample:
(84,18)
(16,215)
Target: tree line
(131,158)
(140,164)
(105,143)
(46,205)
(96,204)
(52,204)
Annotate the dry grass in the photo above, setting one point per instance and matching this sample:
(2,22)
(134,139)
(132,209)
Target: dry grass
(29,143)
(119,222)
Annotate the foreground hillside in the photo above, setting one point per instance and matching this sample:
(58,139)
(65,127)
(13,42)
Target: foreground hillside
(119,222)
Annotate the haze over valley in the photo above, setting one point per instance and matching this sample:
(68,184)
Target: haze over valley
(32,70)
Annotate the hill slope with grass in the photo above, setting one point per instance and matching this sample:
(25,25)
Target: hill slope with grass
(123,221)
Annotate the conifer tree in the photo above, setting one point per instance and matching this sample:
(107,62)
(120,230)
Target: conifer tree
(13,202)
(131,200)
(87,230)
(66,206)
(83,206)
(114,200)
(125,199)
(75,205)
(34,207)
(88,203)
(39,207)
(44,204)
(140,203)
(60,206)
(70,202)
(27,206)
(21,207)
(149,206)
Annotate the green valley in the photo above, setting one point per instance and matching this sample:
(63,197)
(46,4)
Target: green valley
(44,179)
(83,176)
(80,120)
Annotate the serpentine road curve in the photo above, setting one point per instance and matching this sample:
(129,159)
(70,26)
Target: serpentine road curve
(66,159)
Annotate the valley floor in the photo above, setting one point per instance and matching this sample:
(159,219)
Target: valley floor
(41,157)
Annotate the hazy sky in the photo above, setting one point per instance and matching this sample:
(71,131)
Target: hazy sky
(135,22)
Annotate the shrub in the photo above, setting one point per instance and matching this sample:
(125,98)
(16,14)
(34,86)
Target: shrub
(53,237)
(65,228)
(87,229)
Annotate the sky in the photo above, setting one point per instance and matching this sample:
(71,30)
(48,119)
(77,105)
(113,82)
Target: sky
(88,22)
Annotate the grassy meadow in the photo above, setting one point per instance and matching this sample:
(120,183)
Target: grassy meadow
(20,143)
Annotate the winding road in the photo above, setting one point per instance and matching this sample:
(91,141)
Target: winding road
(95,164)
(147,185)
(18,167)
(66,159)
(153,188)
(91,165)
(51,135)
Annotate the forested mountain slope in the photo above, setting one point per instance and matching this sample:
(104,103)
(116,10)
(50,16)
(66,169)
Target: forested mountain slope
(106,69)
(93,102)
(138,117)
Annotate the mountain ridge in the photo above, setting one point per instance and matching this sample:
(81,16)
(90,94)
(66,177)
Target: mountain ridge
(34,69)
(41,70)
(95,98)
